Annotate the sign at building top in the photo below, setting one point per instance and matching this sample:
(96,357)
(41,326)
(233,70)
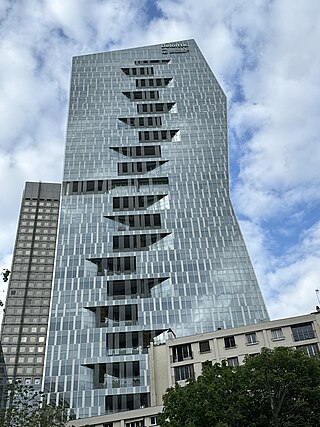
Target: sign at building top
(174,48)
(174,45)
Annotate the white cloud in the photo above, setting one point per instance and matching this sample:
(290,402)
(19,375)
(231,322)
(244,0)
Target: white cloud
(280,165)
(294,287)
(288,281)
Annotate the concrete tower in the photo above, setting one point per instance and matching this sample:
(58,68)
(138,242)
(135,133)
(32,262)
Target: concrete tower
(25,323)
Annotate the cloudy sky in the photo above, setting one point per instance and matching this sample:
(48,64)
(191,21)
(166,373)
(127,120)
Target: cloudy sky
(266,56)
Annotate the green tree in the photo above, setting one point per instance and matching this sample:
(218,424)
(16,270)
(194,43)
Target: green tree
(203,401)
(26,408)
(285,384)
(278,388)
(5,274)
(5,277)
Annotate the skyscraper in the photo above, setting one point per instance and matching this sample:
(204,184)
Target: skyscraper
(3,379)
(24,326)
(148,240)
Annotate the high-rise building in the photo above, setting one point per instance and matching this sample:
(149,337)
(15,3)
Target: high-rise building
(148,240)
(24,326)
(3,380)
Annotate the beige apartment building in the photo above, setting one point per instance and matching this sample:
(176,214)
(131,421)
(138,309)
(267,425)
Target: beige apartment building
(175,360)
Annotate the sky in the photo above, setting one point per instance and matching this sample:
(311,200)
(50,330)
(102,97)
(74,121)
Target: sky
(266,56)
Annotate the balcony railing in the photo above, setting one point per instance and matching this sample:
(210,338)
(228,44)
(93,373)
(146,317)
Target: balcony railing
(122,382)
(128,350)
(115,323)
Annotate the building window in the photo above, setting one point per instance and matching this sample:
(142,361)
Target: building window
(302,332)
(183,372)
(204,346)
(153,421)
(90,185)
(233,361)
(139,423)
(182,352)
(277,334)
(229,342)
(251,338)
(310,350)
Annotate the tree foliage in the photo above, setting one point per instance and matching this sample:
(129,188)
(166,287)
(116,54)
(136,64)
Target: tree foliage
(5,274)
(278,388)
(5,277)
(25,408)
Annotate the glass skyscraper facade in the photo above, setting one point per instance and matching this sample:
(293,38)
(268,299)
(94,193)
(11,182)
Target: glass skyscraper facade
(148,239)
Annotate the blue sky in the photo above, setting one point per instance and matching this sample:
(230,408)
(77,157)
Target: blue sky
(264,54)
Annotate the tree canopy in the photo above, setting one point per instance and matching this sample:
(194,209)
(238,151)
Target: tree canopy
(5,277)
(25,408)
(5,274)
(278,388)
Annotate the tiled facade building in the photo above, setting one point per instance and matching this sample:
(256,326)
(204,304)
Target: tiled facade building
(3,379)
(179,359)
(148,239)
(25,322)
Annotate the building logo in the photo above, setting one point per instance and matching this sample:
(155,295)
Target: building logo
(174,48)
